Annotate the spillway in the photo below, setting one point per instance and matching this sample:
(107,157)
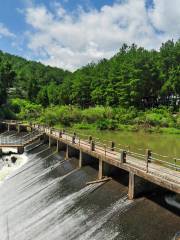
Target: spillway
(46,197)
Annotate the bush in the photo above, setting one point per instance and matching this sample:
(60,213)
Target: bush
(125,116)
(65,115)
(160,117)
(91,115)
(105,124)
(25,110)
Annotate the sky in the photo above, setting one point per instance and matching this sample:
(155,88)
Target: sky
(72,33)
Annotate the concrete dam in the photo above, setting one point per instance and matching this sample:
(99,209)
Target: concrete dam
(68,188)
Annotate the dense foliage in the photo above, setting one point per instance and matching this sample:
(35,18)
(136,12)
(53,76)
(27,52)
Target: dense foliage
(155,119)
(133,77)
(135,87)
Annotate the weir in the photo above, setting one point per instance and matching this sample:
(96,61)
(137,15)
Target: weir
(144,175)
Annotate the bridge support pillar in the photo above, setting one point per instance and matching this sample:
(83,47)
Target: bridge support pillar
(50,142)
(100,174)
(138,186)
(0,152)
(131,186)
(8,127)
(80,158)
(57,147)
(19,128)
(67,152)
(20,150)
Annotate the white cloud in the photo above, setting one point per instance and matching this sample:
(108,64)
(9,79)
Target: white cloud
(165,17)
(4,32)
(70,40)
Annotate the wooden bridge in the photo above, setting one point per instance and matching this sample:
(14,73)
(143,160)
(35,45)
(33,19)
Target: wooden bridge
(145,170)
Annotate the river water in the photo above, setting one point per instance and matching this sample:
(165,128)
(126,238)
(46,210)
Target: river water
(164,144)
(47,198)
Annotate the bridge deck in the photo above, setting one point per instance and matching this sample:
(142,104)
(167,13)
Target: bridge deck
(158,174)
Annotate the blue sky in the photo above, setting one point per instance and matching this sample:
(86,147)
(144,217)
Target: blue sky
(72,33)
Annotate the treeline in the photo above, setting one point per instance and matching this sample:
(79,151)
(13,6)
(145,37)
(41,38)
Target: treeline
(25,79)
(133,77)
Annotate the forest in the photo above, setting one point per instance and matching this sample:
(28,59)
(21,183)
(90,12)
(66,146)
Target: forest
(135,87)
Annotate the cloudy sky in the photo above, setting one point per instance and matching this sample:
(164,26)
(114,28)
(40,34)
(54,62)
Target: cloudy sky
(72,33)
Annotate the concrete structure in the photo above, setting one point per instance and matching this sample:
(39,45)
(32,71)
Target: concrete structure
(144,174)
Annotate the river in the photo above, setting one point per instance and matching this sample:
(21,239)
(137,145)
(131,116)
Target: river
(47,198)
(164,144)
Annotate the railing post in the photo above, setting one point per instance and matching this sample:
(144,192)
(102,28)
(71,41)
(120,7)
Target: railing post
(148,158)
(175,164)
(92,146)
(51,131)
(90,139)
(73,139)
(60,134)
(112,146)
(123,156)
(105,150)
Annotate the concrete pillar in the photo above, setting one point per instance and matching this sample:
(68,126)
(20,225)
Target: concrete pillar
(67,152)
(100,174)
(0,152)
(50,141)
(57,147)
(80,158)
(139,186)
(8,127)
(20,150)
(19,128)
(131,186)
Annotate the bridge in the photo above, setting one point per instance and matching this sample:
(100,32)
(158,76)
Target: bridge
(16,141)
(146,171)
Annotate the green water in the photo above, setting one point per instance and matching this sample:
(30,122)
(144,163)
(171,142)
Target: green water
(164,144)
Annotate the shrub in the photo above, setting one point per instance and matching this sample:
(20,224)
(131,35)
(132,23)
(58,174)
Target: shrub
(125,116)
(65,115)
(105,124)
(25,109)
(91,115)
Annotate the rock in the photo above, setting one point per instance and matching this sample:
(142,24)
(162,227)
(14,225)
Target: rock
(13,159)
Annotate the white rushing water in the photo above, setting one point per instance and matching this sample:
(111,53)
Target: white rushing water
(45,197)
(8,168)
(172,201)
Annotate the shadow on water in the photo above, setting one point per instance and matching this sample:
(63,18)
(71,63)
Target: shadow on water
(48,199)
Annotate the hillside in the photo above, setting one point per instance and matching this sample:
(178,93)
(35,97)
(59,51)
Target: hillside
(133,77)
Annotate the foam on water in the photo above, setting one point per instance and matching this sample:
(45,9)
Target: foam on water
(76,223)
(8,168)
(171,200)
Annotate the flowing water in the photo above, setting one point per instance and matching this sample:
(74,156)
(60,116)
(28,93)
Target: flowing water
(45,197)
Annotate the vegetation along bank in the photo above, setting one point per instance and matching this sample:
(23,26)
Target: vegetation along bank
(135,89)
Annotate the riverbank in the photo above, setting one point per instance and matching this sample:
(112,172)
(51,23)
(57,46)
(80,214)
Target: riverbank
(156,120)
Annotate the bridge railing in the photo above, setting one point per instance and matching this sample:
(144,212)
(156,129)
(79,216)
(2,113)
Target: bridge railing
(109,148)
(16,140)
